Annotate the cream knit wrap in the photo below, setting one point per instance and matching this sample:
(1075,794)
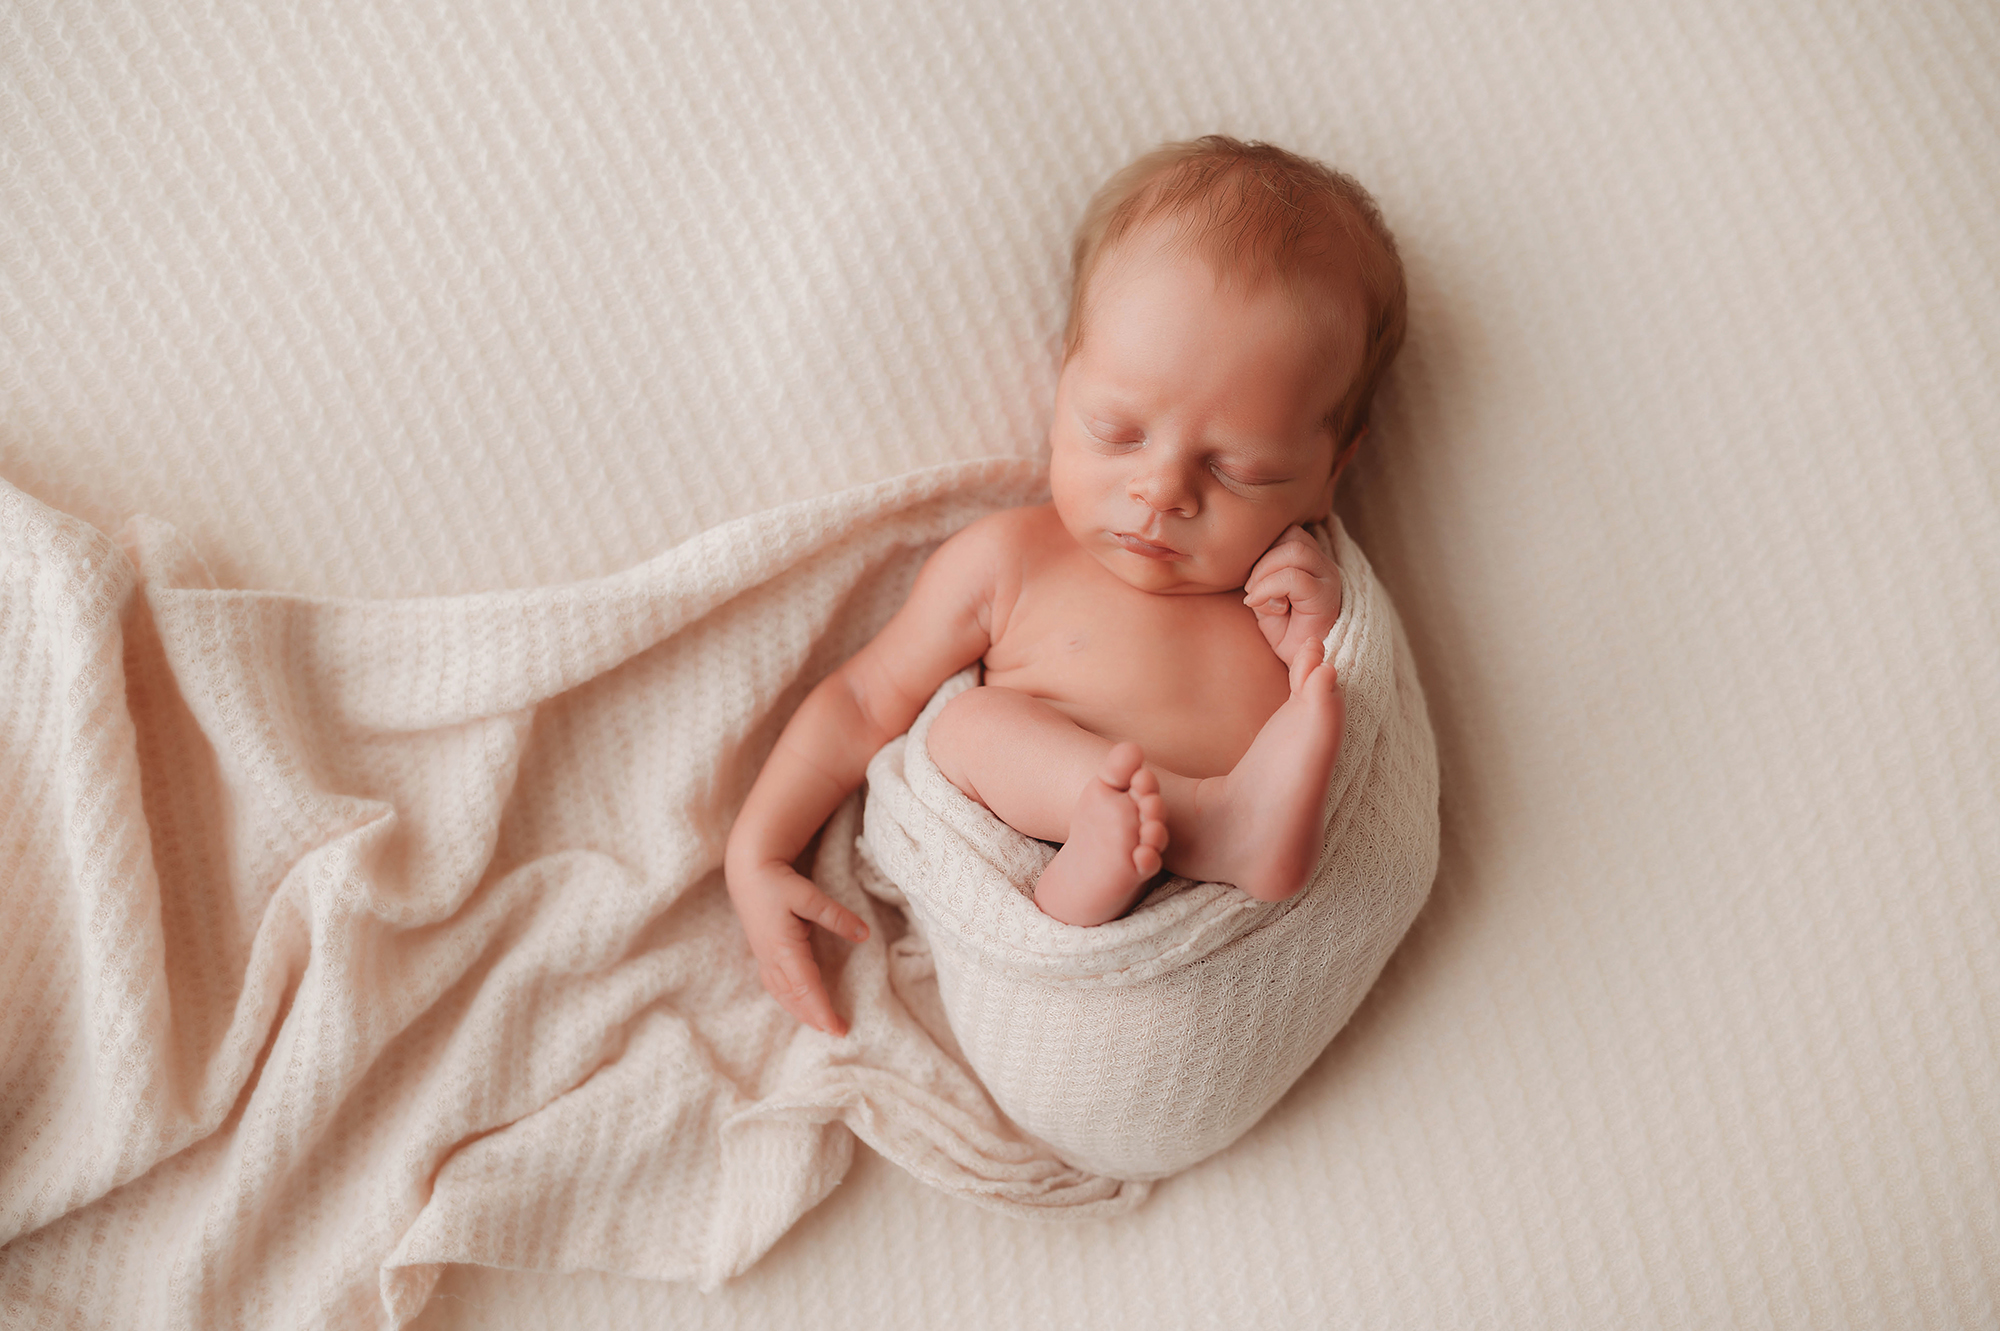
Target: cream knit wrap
(1137,1047)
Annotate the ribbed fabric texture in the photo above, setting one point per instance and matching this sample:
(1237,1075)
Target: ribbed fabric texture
(356,938)
(1685,486)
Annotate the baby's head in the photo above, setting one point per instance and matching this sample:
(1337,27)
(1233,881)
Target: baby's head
(1232,310)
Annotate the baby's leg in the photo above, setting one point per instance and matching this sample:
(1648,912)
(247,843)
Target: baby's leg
(1260,825)
(1044,775)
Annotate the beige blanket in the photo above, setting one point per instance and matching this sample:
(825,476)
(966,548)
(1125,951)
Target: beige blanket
(345,939)
(1141,1046)
(348,939)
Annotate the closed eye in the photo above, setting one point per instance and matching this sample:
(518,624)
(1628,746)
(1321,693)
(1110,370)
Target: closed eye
(1245,481)
(1114,435)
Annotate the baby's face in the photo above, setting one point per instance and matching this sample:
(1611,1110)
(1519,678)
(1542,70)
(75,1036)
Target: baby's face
(1189,425)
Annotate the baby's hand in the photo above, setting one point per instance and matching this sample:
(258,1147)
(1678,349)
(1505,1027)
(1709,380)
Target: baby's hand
(778,907)
(1295,590)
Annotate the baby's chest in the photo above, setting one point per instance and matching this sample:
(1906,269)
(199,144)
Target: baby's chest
(1170,641)
(1145,667)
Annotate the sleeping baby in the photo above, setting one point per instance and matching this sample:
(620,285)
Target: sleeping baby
(1155,695)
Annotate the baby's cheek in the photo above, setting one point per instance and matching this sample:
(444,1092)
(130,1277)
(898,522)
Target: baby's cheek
(1070,485)
(1237,574)
(1243,557)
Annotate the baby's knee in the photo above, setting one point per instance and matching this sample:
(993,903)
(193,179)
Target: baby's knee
(957,726)
(958,731)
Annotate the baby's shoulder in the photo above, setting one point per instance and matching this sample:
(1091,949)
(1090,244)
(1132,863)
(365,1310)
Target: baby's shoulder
(1012,534)
(1014,526)
(988,561)
(1000,540)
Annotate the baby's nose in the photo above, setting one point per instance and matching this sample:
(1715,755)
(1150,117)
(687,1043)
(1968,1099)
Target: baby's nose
(1164,489)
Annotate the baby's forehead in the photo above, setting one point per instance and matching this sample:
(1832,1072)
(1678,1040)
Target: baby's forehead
(1321,283)
(1153,348)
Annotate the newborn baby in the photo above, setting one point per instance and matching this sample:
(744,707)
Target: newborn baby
(1155,694)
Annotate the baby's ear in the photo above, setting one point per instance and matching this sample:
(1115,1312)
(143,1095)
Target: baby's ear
(1343,458)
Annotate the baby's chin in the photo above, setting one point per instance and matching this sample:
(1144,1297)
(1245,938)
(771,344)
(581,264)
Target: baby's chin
(1176,577)
(1167,577)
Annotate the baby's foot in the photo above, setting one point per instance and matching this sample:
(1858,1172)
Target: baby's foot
(1260,827)
(1116,834)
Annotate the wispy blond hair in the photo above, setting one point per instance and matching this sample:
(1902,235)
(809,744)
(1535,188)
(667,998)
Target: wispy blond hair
(1258,212)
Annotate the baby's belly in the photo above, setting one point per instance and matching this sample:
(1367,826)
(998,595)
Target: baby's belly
(1193,704)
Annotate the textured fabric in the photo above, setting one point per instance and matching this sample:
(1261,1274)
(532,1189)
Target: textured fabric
(1685,486)
(336,921)
(1138,1047)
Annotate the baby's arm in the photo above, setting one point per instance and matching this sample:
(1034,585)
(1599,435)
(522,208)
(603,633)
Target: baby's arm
(1295,590)
(823,754)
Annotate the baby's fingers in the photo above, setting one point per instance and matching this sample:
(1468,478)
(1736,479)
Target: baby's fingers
(1288,586)
(1292,549)
(788,971)
(792,977)
(778,912)
(804,899)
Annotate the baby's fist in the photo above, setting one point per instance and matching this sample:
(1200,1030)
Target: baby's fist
(1295,591)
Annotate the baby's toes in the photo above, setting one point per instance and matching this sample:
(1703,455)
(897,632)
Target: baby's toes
(1153,822)
(1122,764)
(1312,676)
(1152,834)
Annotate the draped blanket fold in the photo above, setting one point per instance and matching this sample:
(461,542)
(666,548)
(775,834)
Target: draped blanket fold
(348,939)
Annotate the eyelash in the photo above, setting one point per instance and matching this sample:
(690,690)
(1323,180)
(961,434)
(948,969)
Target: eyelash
(1214,470)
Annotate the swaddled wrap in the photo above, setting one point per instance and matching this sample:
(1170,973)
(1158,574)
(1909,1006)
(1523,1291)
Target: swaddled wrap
(1138,1047)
